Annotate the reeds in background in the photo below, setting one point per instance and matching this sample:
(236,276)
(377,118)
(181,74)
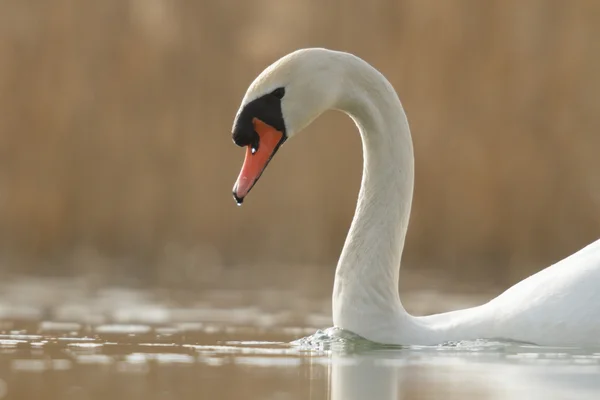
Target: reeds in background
(115,121)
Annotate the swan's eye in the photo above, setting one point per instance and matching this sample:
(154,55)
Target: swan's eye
(279,93)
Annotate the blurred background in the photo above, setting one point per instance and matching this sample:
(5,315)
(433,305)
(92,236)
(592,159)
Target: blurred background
(116,159)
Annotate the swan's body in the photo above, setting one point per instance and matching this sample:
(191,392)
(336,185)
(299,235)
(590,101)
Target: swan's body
(559,305)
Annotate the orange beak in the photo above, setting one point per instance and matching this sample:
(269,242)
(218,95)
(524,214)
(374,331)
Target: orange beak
(257,159)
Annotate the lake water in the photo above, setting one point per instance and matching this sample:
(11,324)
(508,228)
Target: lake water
(67,339)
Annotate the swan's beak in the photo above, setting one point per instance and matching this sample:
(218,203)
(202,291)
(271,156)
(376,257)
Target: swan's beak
(257,158)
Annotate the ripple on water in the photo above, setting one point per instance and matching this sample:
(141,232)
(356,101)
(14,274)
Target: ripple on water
(37,365)
(161,358)
(85,345)
(123,329)
(94,359)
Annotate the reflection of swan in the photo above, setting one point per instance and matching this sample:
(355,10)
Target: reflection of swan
(559,305)
(392,375)
(362,378)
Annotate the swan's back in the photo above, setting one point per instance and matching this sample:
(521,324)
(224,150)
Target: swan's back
(560,303)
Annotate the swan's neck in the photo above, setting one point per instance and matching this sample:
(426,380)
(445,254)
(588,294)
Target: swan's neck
(366,281)
(365,296)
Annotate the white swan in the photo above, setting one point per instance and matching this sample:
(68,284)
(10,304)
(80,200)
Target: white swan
(559,305)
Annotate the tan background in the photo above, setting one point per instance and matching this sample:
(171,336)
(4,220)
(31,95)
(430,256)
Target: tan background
(116,155)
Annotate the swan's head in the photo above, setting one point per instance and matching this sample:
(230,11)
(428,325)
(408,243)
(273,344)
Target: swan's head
(282,100)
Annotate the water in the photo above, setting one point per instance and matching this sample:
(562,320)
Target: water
(62,339)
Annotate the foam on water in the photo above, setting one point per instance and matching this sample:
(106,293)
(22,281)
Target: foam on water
(344,341)
(334,339)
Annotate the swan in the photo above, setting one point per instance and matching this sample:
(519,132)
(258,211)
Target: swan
(558,306)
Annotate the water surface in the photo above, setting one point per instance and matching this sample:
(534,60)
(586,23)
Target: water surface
(61,340)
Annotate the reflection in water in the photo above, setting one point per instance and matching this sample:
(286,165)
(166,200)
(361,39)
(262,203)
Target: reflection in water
(363,377)
(134,345)
(515,372)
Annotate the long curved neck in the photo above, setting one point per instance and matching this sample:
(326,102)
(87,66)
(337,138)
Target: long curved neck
(365,296)
(366,282)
